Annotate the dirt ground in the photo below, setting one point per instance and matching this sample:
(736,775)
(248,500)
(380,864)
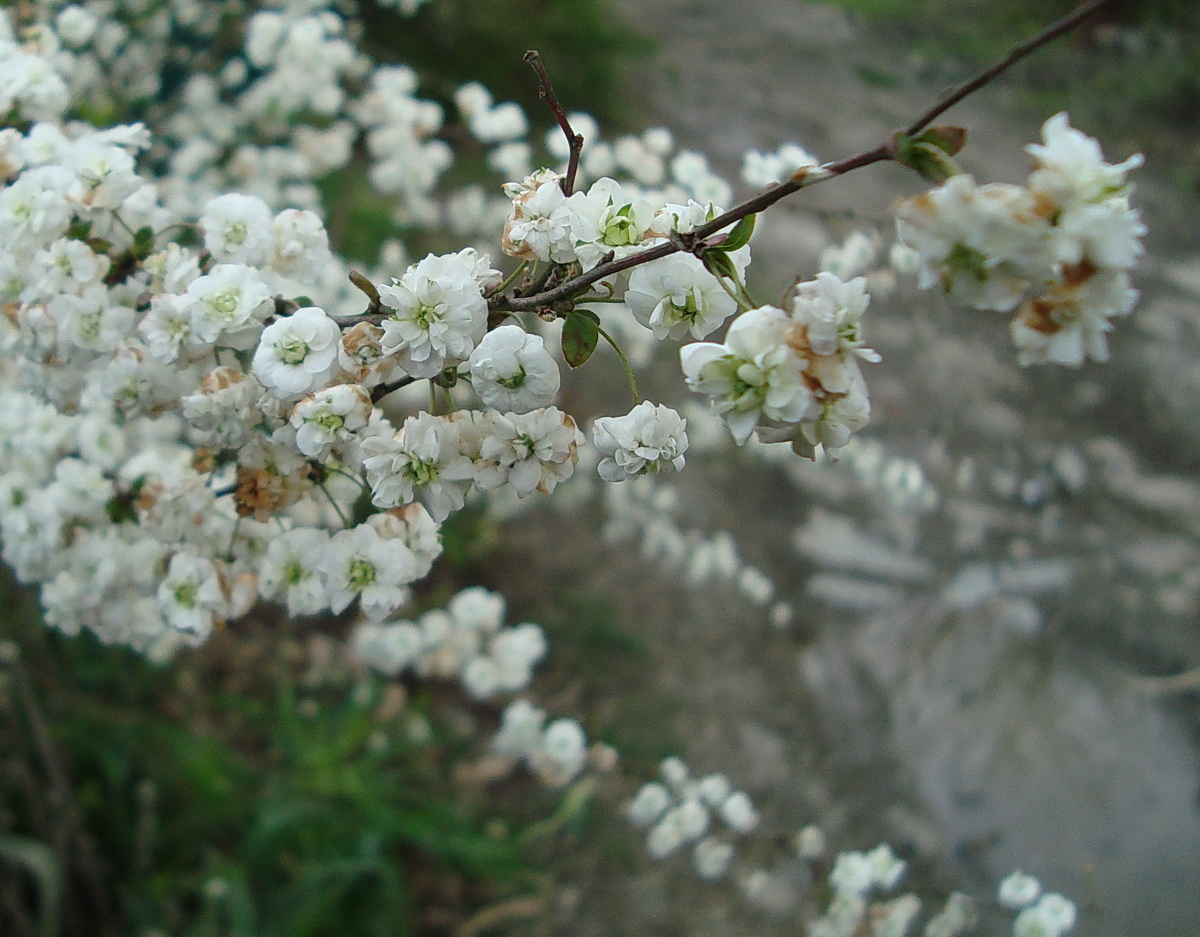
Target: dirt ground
(978,588)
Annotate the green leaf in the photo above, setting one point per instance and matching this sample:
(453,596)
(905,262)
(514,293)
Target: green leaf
(950,140)
(717,263)
(143,243)
(740,235)
(581,333)
(927,158)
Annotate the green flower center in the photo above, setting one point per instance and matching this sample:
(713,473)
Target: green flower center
(292,350)
(329,421)
(362,574)
(225,304)
(619,230)
(513,382)
(421,473)
(185,594)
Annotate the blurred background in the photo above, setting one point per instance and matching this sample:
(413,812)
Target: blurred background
(992,653)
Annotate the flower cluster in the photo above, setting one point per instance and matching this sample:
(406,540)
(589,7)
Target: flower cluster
(467,641)
(791,375)
(678,811)
(555,751)
(1057,250)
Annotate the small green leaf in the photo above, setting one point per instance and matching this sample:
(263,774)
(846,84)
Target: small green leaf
(950,140)
(740,235)
(928,159)
(581,333)
(143,243)
(717,263)
(447,377)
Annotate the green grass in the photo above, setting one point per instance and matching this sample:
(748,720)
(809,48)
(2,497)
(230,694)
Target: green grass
(227,794)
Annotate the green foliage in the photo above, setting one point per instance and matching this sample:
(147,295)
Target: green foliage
(455,41)
(580,335)
(231,793)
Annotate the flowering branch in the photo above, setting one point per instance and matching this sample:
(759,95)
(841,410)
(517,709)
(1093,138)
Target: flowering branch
(574,140)
(802,178)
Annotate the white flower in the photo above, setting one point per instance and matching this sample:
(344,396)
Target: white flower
(1019,889)
(1052,916)
(539,226)
(222,413)
(75,26)
(1069,166)
(520,730)
(648,804)
(422,461)
(228,305)
(190,596)
(711,858)
(1068,324)
(237,229)
(984,244)
(296,353)
(358,563)
(738,812)
(832,310)
(290,570)
(478,608)
(330,417)
(675,296)
(561,754)
(604,219)
(512,371)
(650,438)
(852,874)
(93,321)
(763,169)
(515,652)
(530,451)
(885,867)
(437,313)
(387,649)
(755,374)
(300,245)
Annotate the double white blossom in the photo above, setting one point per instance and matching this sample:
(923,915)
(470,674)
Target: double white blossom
(512,371)
(437,313)
(296,354)
(754,375)
(650,438)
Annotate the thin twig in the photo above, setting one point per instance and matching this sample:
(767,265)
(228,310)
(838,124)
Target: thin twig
(379,391)
(802,178)
(574,140)
(955,94)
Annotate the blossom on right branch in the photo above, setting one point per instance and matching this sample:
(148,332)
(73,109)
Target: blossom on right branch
(1057,250)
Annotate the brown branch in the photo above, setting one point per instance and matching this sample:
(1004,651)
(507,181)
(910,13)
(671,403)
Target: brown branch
(574,140)
(956,93)
(800,179)
(379,391)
